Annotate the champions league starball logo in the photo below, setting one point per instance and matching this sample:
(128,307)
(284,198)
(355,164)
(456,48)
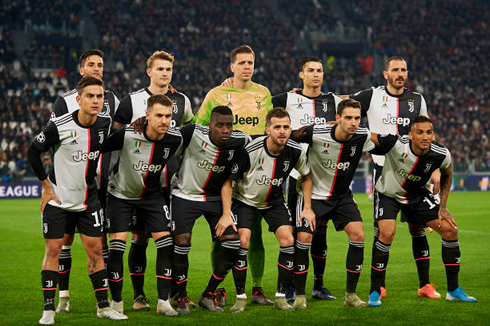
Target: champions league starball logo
(41,138)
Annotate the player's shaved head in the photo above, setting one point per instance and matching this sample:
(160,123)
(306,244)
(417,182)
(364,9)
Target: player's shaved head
(221,109)
(159,99)
(88,81)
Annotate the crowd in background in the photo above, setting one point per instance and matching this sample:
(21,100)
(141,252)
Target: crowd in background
(444,42)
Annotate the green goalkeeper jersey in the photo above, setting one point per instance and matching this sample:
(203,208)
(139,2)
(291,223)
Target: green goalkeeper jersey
(250,107)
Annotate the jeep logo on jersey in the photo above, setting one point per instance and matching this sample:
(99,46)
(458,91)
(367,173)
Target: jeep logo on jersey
(332,165)
(391,120)
(404,174)
(308,120)
(427,167)
(286,166)
(268,181)
(166,152)
(246,121)
(81,156)
(210,167)
(142,166)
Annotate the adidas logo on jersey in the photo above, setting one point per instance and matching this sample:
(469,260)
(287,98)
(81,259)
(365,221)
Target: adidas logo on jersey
(260,168)
(384,105)
(136,151)
(202,151)
(325,152)
(73,142)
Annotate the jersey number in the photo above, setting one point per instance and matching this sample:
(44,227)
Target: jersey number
(98,219)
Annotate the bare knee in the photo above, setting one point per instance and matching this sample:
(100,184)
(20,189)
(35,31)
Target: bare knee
(228,237)
(305,237)
(357,236)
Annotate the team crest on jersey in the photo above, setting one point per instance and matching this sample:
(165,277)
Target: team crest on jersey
(203,145)
(230,154)
(427,167)
(175,109)
(137,144)
(101,136)
(411,105)
(41,138)
(257,101)
(353,150)
(325,105)
(234,168)
(166,152)
(286,166)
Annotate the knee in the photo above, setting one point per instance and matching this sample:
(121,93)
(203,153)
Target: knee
(305,237)
(52,251)
(286,241)
(386,236)
(449,234)
(357,236)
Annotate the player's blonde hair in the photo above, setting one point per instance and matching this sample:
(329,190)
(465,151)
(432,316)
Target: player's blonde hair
(162,55)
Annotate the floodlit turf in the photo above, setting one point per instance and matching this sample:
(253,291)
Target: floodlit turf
(22,246)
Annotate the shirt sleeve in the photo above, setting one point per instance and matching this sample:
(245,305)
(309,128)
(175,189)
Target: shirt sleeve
(115,141)
(204,114)
(368,144)
(447,160)
(364,97)
(387,142)
(188,115)
(301,165)
(279,100)
(187,132)
(423,107)
(308,138)
(241,165)
(124,113)
(59,107)
(42,143)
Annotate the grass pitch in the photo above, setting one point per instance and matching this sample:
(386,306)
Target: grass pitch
(22,247)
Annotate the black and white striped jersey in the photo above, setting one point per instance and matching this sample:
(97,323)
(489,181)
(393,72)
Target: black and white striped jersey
(305,111)
(141,161)
(205,166)
(389,114)
(332,162)
(259,174)
(76,151)
(405,174)
(133,106)
(67,102)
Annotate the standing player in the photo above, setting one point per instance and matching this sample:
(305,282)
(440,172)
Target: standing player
(333,154)
(409,163)
(196,190)
(135,185)
(91,64)
(259,174)
(159,68)
(250,103)
(306,107)
(389,110)
(70,193)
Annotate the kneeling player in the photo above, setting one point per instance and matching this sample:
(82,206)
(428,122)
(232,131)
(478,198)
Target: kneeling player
(409,162)
(135,184)
(259,172)
(70,193)
(196,190)
(334,153)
